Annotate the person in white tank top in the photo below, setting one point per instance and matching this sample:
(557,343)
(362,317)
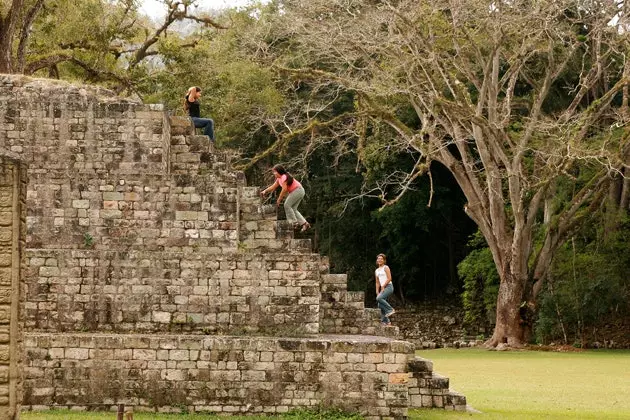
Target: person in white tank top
(384,289)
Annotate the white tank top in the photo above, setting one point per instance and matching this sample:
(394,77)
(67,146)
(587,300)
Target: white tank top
(381,274)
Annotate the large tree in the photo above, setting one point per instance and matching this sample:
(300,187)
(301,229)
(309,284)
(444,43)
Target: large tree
(100,41)
(517,99)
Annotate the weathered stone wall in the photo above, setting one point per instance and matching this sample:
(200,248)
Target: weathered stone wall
(218,374)
(152,291)
(431,325)
(343,311)
(12,229)
(135,225)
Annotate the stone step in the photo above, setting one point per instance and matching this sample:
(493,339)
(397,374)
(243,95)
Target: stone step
(335,279)
(360,326)
(194,143)
(301,245)
(180,125)
(380,330)
(250,193)
(334,288)
(373,313)
(340,294)
(455,401)
(258,211)
(434,392)
(324,265)
(355,296)
(293,246)
(342,299)
(284,230)
(420,365)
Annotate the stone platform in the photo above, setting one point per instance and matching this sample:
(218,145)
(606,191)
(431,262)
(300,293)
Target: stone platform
(150,274)
(219,374)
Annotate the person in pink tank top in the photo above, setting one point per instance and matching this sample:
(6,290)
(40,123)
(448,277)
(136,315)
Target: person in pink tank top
(294,193)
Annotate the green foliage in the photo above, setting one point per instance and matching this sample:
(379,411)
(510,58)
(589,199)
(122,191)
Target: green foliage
(88,240)
(89,31)
(481,284)
(423,244)
(589,287)
(240,94)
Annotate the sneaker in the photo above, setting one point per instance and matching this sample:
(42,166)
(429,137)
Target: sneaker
(386,324)
(305,227)
(392,312)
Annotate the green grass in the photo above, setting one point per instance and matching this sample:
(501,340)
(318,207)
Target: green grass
(535,385)
(503,385)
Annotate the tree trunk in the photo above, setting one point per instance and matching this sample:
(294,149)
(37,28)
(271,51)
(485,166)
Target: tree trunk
(26,32)
(624,200)
(8,26)
(510,328)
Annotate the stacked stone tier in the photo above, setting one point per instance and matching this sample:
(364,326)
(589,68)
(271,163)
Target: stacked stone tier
(428,389)
(218,374)
(158,291)
(136,229)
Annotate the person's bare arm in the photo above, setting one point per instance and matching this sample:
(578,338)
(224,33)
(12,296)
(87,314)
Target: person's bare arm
(269,188)
(283,193)
(389,276)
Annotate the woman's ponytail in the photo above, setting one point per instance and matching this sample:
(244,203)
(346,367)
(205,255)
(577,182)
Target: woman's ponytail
(280,169)
(190,91)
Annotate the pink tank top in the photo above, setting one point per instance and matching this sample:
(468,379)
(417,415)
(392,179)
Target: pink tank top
(290,188)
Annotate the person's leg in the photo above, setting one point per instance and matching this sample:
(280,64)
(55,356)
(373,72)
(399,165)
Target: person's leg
(207,124)
(384,319)
(290,206)
(383,305)
(298,197)
(209,129)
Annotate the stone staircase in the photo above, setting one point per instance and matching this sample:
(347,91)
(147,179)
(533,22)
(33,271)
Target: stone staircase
(343,312)
(259,230)
(154,276)
(428,389)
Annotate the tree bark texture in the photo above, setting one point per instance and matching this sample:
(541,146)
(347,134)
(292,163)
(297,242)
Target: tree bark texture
(8,27)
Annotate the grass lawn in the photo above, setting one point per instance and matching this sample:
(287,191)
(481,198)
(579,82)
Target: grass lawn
(535,385)
(503,385)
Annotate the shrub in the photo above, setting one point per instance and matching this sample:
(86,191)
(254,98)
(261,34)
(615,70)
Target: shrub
(481,284)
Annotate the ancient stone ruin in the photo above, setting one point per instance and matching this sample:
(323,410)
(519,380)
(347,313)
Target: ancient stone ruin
(138,268)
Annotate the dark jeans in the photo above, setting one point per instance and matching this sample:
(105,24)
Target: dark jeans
(207,124)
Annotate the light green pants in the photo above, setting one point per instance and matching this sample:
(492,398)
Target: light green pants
(291,204)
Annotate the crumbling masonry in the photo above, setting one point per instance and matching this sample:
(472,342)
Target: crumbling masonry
(137,267)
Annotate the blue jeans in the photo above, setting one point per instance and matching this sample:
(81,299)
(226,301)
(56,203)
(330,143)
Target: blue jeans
(207,124)
(382,302)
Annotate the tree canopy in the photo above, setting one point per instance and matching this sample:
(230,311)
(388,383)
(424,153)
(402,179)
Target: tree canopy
(400,117)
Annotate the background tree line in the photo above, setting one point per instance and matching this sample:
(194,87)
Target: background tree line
(509,114)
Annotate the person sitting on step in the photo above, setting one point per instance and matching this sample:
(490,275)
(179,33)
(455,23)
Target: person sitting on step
(191,104)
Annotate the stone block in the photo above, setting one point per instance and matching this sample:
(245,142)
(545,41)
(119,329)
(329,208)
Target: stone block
(76,353)
(81,204)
